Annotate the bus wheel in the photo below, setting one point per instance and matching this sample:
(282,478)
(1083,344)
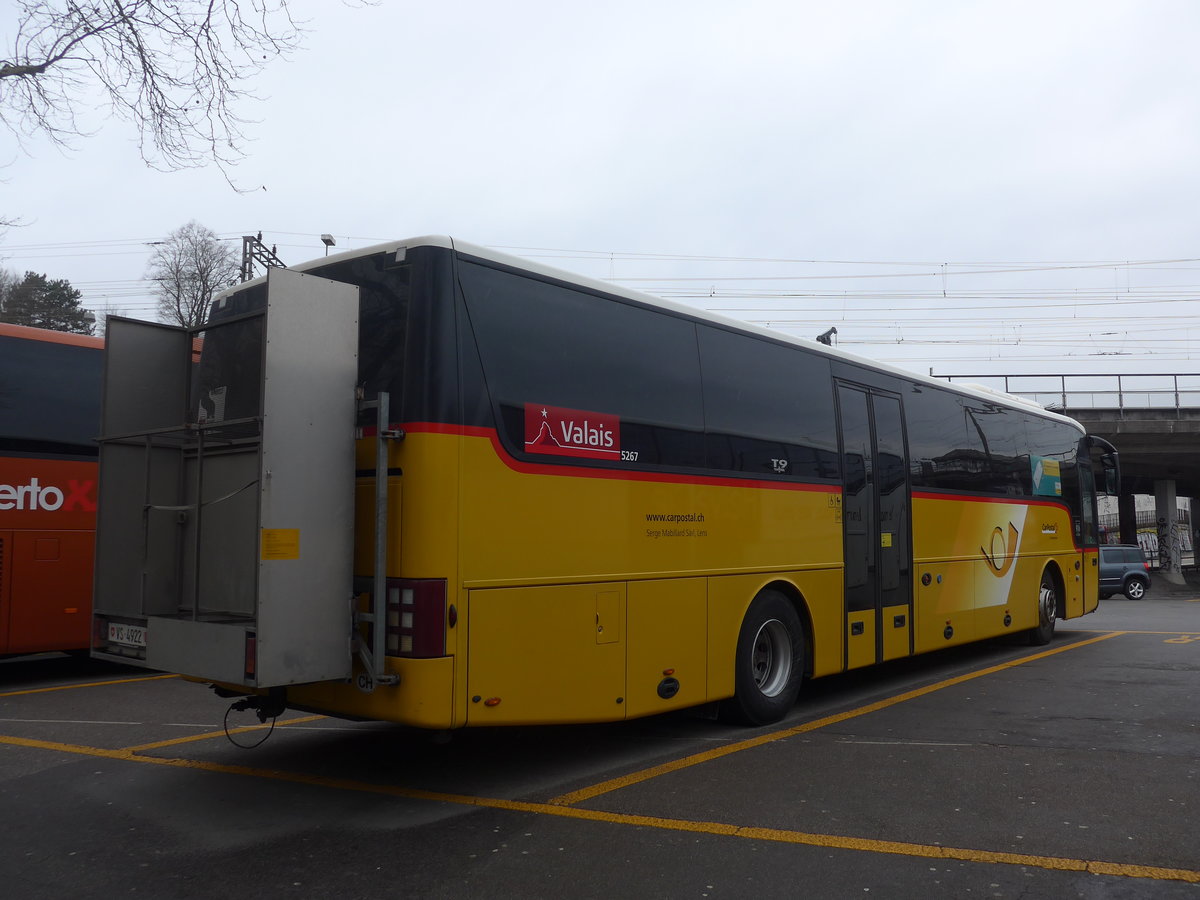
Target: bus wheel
(1047,611)
(769,664)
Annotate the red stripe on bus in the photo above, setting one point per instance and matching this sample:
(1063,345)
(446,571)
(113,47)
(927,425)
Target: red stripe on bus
(1011,501)
(971,498)
(615,474)
(621,474)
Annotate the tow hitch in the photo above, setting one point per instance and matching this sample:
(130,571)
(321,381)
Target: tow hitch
(265,706)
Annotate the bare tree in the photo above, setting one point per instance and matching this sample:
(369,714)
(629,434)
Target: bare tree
(8,280)
(188,268)
(108,312)
(175,69)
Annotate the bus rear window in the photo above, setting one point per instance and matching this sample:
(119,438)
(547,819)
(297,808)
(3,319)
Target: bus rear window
(229,377)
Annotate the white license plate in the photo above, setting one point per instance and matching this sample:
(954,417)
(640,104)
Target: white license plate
(130,635)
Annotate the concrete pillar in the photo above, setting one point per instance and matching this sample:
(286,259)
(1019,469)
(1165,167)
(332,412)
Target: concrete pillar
(1127,513)
(1170,562)
(1194,524)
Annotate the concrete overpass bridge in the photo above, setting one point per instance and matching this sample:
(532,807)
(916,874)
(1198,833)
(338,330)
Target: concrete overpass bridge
(1152,420)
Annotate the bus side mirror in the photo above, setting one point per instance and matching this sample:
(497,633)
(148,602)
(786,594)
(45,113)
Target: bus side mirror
(1112,475)
(1110,461)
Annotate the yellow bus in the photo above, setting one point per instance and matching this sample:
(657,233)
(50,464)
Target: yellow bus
(437,485)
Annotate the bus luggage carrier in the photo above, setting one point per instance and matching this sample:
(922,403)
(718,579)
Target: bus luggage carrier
(226,502)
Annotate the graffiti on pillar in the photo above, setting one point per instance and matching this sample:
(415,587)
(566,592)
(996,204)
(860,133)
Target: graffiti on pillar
(1170,547)
(1148,541)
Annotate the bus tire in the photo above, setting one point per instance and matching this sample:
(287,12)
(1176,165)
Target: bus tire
(1047,611)
(769,665)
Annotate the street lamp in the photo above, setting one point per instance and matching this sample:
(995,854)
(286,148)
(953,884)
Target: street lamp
(328,241)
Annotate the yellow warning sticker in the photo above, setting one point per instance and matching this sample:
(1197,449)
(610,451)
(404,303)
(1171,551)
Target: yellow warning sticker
(885,539)
(281,543)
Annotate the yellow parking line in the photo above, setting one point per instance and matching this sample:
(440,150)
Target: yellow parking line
(1160,632)
(779,835)
(707,756)
(71,687)
(1131,631)
(208,735)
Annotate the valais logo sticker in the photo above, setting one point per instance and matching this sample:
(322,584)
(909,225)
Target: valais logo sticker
(571,432)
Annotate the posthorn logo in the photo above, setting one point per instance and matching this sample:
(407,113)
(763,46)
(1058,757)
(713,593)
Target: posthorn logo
(999,557)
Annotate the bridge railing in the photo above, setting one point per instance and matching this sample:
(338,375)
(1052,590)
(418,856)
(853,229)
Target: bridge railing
(1107,392)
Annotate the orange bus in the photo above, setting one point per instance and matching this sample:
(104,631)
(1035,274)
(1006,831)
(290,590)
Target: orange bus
(49,420)
(556,500)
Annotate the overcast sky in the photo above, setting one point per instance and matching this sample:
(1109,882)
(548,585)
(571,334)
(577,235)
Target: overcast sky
(969,186)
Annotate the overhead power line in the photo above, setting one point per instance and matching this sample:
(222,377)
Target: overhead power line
(876,303)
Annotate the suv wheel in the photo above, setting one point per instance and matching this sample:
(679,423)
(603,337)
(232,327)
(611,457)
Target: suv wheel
(1135,589)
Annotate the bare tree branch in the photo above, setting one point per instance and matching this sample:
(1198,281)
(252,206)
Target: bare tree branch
(175,69)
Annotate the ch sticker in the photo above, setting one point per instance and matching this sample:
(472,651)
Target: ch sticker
(1001,556)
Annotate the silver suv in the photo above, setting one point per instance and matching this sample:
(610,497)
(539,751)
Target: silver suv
(1123,569)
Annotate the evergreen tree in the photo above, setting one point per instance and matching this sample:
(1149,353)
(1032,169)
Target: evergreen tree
(38,302)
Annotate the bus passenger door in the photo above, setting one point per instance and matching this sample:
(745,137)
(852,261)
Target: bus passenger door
(1087,536)
(876,526)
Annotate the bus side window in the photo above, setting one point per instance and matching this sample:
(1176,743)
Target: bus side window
(589,354)
(768,409)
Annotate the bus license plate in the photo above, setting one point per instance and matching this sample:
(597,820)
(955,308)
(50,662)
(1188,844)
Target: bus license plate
(129,635)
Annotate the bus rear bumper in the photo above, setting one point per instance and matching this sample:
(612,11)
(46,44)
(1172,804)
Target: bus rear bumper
(423,697)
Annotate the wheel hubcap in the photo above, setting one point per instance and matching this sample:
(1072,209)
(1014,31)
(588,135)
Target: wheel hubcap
(1048,604)
(772,658)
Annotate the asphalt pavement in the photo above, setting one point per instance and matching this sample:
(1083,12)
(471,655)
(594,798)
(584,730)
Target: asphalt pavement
(997,770)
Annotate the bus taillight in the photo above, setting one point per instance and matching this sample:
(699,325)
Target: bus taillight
(416,617)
